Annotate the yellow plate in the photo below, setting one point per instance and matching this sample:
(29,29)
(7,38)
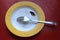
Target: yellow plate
(32,32)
